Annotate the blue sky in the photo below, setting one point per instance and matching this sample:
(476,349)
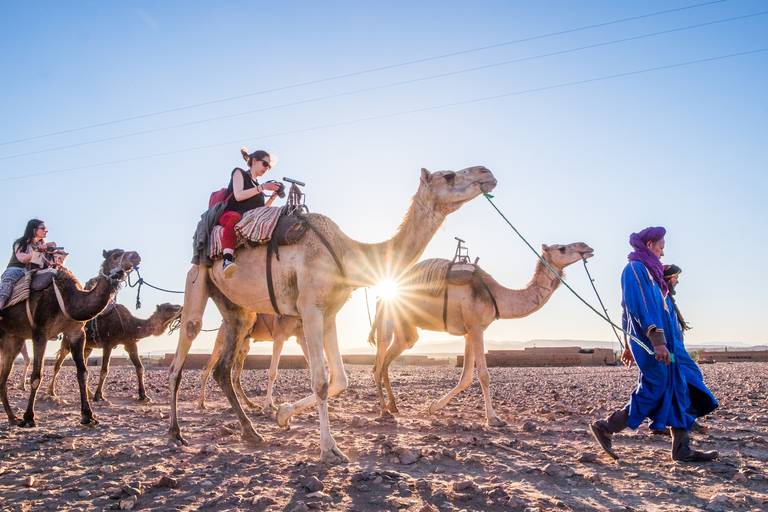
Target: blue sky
(598,119)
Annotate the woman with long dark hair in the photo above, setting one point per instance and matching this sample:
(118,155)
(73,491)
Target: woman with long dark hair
(25,249)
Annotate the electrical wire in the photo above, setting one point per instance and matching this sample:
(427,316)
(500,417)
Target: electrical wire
(379,87)
(358,73)
(394,114)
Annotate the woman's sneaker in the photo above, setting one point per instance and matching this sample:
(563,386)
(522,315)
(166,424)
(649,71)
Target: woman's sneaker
(229,268)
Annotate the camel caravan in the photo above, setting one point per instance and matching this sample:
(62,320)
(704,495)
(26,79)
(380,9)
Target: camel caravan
(276,273)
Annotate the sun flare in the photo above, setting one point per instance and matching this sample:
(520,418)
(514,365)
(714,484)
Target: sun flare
(386,290)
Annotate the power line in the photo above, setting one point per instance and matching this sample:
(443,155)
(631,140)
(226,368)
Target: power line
(395,114)
(378,87)
(358,73)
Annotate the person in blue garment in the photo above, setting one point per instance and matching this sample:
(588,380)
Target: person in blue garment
(662,393)
(702,400)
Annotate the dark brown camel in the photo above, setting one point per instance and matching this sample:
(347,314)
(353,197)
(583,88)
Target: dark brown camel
(61,307)
(117,326)
(268,327)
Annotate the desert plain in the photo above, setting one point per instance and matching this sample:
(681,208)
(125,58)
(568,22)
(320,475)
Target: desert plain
(544,459)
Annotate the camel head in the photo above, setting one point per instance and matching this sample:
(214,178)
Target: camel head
(169,315)
(563,255)
(446,191)
(118,263)
(167,311)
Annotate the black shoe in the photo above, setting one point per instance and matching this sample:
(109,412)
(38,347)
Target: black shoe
(681,449)
(603,437)
(229,268)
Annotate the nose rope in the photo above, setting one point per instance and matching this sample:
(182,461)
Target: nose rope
(604,317)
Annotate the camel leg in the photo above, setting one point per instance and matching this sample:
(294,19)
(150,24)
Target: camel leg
(105,358)
(11,346)
(242,353)
(39,343)
(62,355)
(77,340)
(237,326)
(133,353)
(405,337)
(383,341)
(195,298)
(86,354)
(478,347)
(464,381)
(274,363)
(322,387)
(27,361)
(215,355)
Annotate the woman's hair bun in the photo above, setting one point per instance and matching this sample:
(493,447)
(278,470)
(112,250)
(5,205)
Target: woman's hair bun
(244,152)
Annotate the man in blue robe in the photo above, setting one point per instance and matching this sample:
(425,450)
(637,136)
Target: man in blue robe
(648,315)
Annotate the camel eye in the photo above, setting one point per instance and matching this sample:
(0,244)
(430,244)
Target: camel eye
(562,250)
(449,176)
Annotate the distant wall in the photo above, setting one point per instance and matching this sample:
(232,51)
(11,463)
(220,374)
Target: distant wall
(548,356)
(261,362)
(733,356)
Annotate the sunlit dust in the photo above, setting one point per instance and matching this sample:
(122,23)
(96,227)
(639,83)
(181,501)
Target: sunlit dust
(386,290)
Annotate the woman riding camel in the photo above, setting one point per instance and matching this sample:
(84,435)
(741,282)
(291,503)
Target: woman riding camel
(26,250)
(244,193)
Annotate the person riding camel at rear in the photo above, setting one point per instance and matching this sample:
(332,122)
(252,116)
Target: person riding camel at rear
(663,393)
(244,193)
(27,249)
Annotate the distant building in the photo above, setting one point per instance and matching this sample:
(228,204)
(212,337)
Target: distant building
(549,356)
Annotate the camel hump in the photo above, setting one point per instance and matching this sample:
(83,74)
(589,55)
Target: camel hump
(431,275)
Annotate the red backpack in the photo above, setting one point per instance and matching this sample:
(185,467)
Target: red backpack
(218,196)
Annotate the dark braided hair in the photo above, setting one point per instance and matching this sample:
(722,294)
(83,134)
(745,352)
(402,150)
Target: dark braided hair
(29,234)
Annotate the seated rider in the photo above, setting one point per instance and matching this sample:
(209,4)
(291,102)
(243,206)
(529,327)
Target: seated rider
(246,194)
(26,249)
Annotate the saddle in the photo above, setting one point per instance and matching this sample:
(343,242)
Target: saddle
(33,281)
(260,226)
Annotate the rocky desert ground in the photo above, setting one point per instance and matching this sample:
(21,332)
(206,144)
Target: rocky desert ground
(545,459)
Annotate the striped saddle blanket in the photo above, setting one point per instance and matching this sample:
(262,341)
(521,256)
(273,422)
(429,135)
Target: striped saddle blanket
(256,226)
(430,275)
(21,291)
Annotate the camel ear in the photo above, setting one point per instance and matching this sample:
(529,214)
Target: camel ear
(104,254)
(425,175)
(544,248)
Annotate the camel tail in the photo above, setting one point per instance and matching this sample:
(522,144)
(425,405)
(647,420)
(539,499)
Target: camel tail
(372,335)
(375,325)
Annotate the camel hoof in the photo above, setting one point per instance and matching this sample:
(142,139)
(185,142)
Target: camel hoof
(496,422)
(433,408)
(178,439)
(145,400)
(202,406)
(253,438)
(282,415)
(26,424)
(333,457)
(385,414)
(392,408)
(89,422)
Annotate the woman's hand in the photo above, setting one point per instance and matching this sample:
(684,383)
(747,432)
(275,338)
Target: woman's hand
(273,186)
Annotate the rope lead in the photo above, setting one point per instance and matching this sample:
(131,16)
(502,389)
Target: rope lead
(604,317)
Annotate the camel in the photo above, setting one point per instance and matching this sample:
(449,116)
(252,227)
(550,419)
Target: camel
(117,326)
(470,310)
(267,328)
(312,279)
(62,307)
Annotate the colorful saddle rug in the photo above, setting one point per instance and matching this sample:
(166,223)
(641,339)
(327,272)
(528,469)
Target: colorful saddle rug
(34,279)
(256,226)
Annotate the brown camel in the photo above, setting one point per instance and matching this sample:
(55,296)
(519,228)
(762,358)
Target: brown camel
(113,327)
(470,310)
(62,307)
(273,328)
(313,279)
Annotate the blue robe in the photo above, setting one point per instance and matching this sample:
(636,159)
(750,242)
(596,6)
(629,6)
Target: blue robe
(662,391)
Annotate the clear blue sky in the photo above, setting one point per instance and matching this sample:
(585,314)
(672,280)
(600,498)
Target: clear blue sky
(598,118)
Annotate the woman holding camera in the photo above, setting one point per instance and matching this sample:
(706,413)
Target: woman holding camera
(244,193)
(26,249)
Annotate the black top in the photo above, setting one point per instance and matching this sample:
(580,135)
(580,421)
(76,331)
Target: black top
(233,205)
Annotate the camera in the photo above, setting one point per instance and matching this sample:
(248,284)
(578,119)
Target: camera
(280,191)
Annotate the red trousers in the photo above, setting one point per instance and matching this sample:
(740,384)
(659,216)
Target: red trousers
(228,220)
